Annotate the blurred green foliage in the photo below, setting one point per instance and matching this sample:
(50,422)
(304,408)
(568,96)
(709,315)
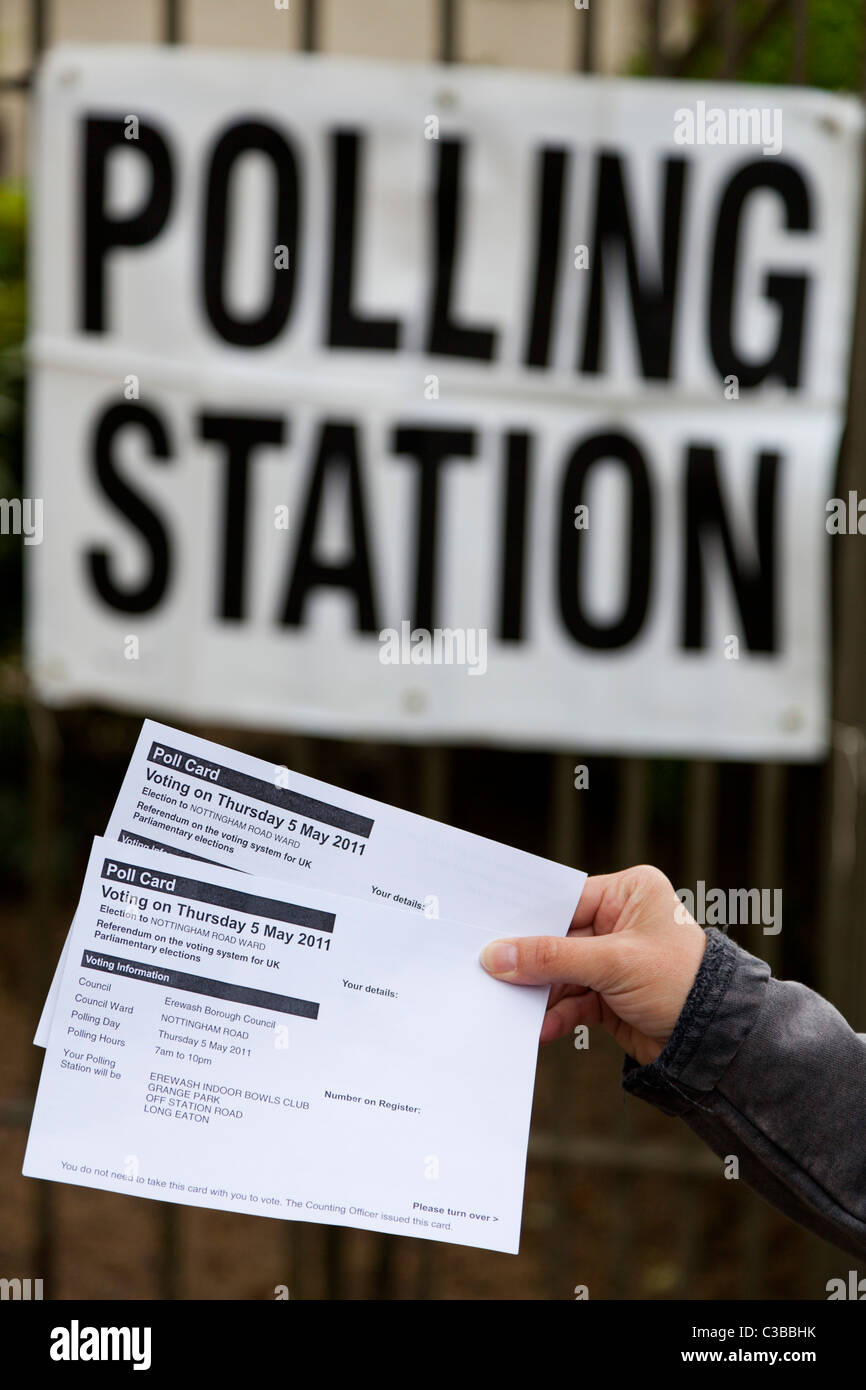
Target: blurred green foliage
(834,54)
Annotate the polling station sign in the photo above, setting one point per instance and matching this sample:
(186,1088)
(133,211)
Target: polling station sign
(426,403)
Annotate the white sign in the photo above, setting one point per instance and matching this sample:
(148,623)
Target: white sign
(423,403)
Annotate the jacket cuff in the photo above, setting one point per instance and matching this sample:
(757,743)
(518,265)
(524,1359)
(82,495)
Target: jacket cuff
(719,1012)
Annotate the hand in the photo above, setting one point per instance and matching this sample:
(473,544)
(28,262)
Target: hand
(628,962)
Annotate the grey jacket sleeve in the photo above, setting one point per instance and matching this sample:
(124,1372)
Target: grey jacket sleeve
(768,1070)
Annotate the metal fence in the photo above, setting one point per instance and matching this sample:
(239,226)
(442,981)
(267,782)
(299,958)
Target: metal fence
(598,1165)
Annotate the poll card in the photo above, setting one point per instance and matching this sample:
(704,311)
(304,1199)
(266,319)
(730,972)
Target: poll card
(186,795)
(251,1045)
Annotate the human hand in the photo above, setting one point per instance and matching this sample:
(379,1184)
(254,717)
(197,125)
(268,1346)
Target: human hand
(628,962)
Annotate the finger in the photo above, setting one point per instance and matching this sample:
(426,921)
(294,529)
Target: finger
(565,1016)
(600,900)
(561,991)
(606,896)
(591,961)
(590,898)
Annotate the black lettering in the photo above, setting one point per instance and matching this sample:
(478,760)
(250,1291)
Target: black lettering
(430,449)
(240,434)
(754,584)
(346,328)
(337,460)
(604,449)
(653,299)
(787,291)
(145,596)
(547,252)
(263,324)
(102,232)
(446,337)
(514,536)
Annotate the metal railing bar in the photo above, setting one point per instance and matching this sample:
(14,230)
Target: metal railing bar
(39,22)
(447,31)
(310,27)
(587,35)
(171,22)
(800,52)
(655,37)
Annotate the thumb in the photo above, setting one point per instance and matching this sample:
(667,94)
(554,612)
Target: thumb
(591,961)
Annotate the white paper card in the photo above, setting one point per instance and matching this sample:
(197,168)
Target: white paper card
(195,797)
(271,1048)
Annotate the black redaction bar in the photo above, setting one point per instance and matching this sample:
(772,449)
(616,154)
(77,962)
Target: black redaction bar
(218,776)
(198,984)
(272,909)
